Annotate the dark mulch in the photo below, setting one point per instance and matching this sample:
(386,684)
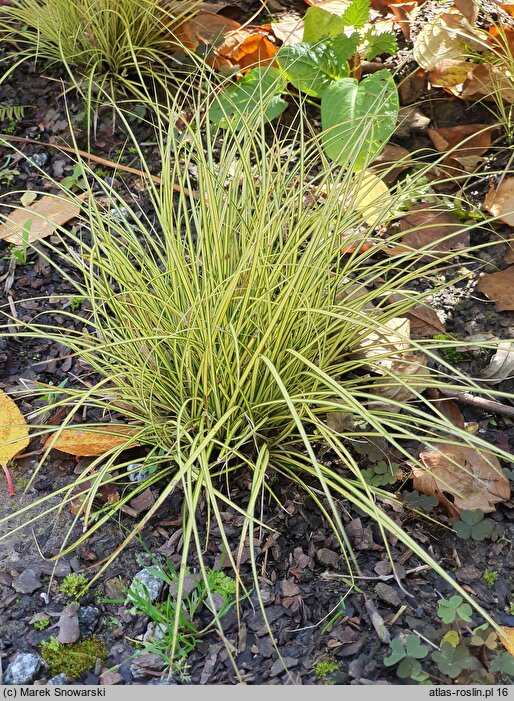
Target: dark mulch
(303,578)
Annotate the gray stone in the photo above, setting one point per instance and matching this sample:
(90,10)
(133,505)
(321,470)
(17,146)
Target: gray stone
(39,159)
(27,582)
(23,669)
(388,594)
(147,579)
(146,663)
(154,631)
(88,619)
(58,680)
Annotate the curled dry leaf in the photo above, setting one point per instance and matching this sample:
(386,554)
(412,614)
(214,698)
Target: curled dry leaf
(336,7)
(437,230)
(499,287)
(391,162)
(247,47)
(14,434)
(385,344)
(462,478)
(204,28)
(41,219)
(449,73)
(438,42)
(507,637)
(500,202)
(501,366)
(404,13)
(288,30)
(467,143)
(409,376)
(467,8)
(485,81)
(423,319)
(88,442)
(447,407)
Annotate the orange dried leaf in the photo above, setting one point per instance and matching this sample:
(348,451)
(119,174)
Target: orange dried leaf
(204,28)
(41,219)
(507,639)
(500,288)
(288,31)
(467,8)
(462,478)
(248,47)
(89,442)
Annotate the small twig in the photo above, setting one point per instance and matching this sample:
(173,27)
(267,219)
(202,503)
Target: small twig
(479,402)
(96,159)
(381,578)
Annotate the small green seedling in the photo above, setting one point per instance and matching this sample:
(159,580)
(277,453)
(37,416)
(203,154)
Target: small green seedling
(509,473)
(454,609)
(490,577)
(407,652)
(485,637)
(42,623)
(323,668)
(472,524)
(73,585)
(76,179)
(20,253)
(510,608)
(76,303)
(381,474)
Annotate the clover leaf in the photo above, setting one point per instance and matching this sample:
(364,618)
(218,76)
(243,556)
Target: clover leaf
(452,660)
(408,667)
(504,664)
(453,609)
(473,525)
(422,502)
(414,648)
(407,652)
(397,653)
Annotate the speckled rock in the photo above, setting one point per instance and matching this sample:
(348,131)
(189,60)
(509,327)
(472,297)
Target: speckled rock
(58,680)
(152,583)
(23,669)
(27,582)
(88,619)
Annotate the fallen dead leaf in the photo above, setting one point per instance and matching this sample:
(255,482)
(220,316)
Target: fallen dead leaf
(384,345)
(467,8)
(507,639)
(247,47)
(409,376)
(466,142)
(500,202)
(88,442)
(501,365)
(447,407)
(499,287)
(449,73)
(288,30)
(484,81)
(437,42)
(41,219)
(14,434)
(462,478)
(423,319)
(437,230)
(204,28)
(405,13)
(391,162)
(336,7)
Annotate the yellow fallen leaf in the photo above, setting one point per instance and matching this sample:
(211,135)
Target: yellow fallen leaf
(89,442)
(14,434)
(500,201)
(374,199)
(40,220)
(507,639)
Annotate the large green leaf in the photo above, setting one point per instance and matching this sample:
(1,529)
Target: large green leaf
(319,24)
(260,86)
(312,68)
(358,119)
(357,14)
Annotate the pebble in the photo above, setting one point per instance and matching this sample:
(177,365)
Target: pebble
(144,662)
(388,594)
(111,678)
(88,619)
(58,680)
(27,582)
(150,581)
(468,574)
(327,557)
(23,669)
(39,159)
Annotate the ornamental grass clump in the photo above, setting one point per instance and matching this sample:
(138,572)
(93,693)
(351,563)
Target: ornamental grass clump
(113,44)
(231,333)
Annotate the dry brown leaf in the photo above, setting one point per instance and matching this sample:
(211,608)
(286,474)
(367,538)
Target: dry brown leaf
(462,478)
(336,7)
(500,202)
(404,13)
(204,28)
(46,215)
(447,407)
(501,365)
(467,8)
(426,227)
(287,30)
(424,321)
(436,42)
(484,81)
(14,434)
(392,161)
(87,442)
(499,287)
(467,143)
(413,374)
(385,344)
(507,7)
